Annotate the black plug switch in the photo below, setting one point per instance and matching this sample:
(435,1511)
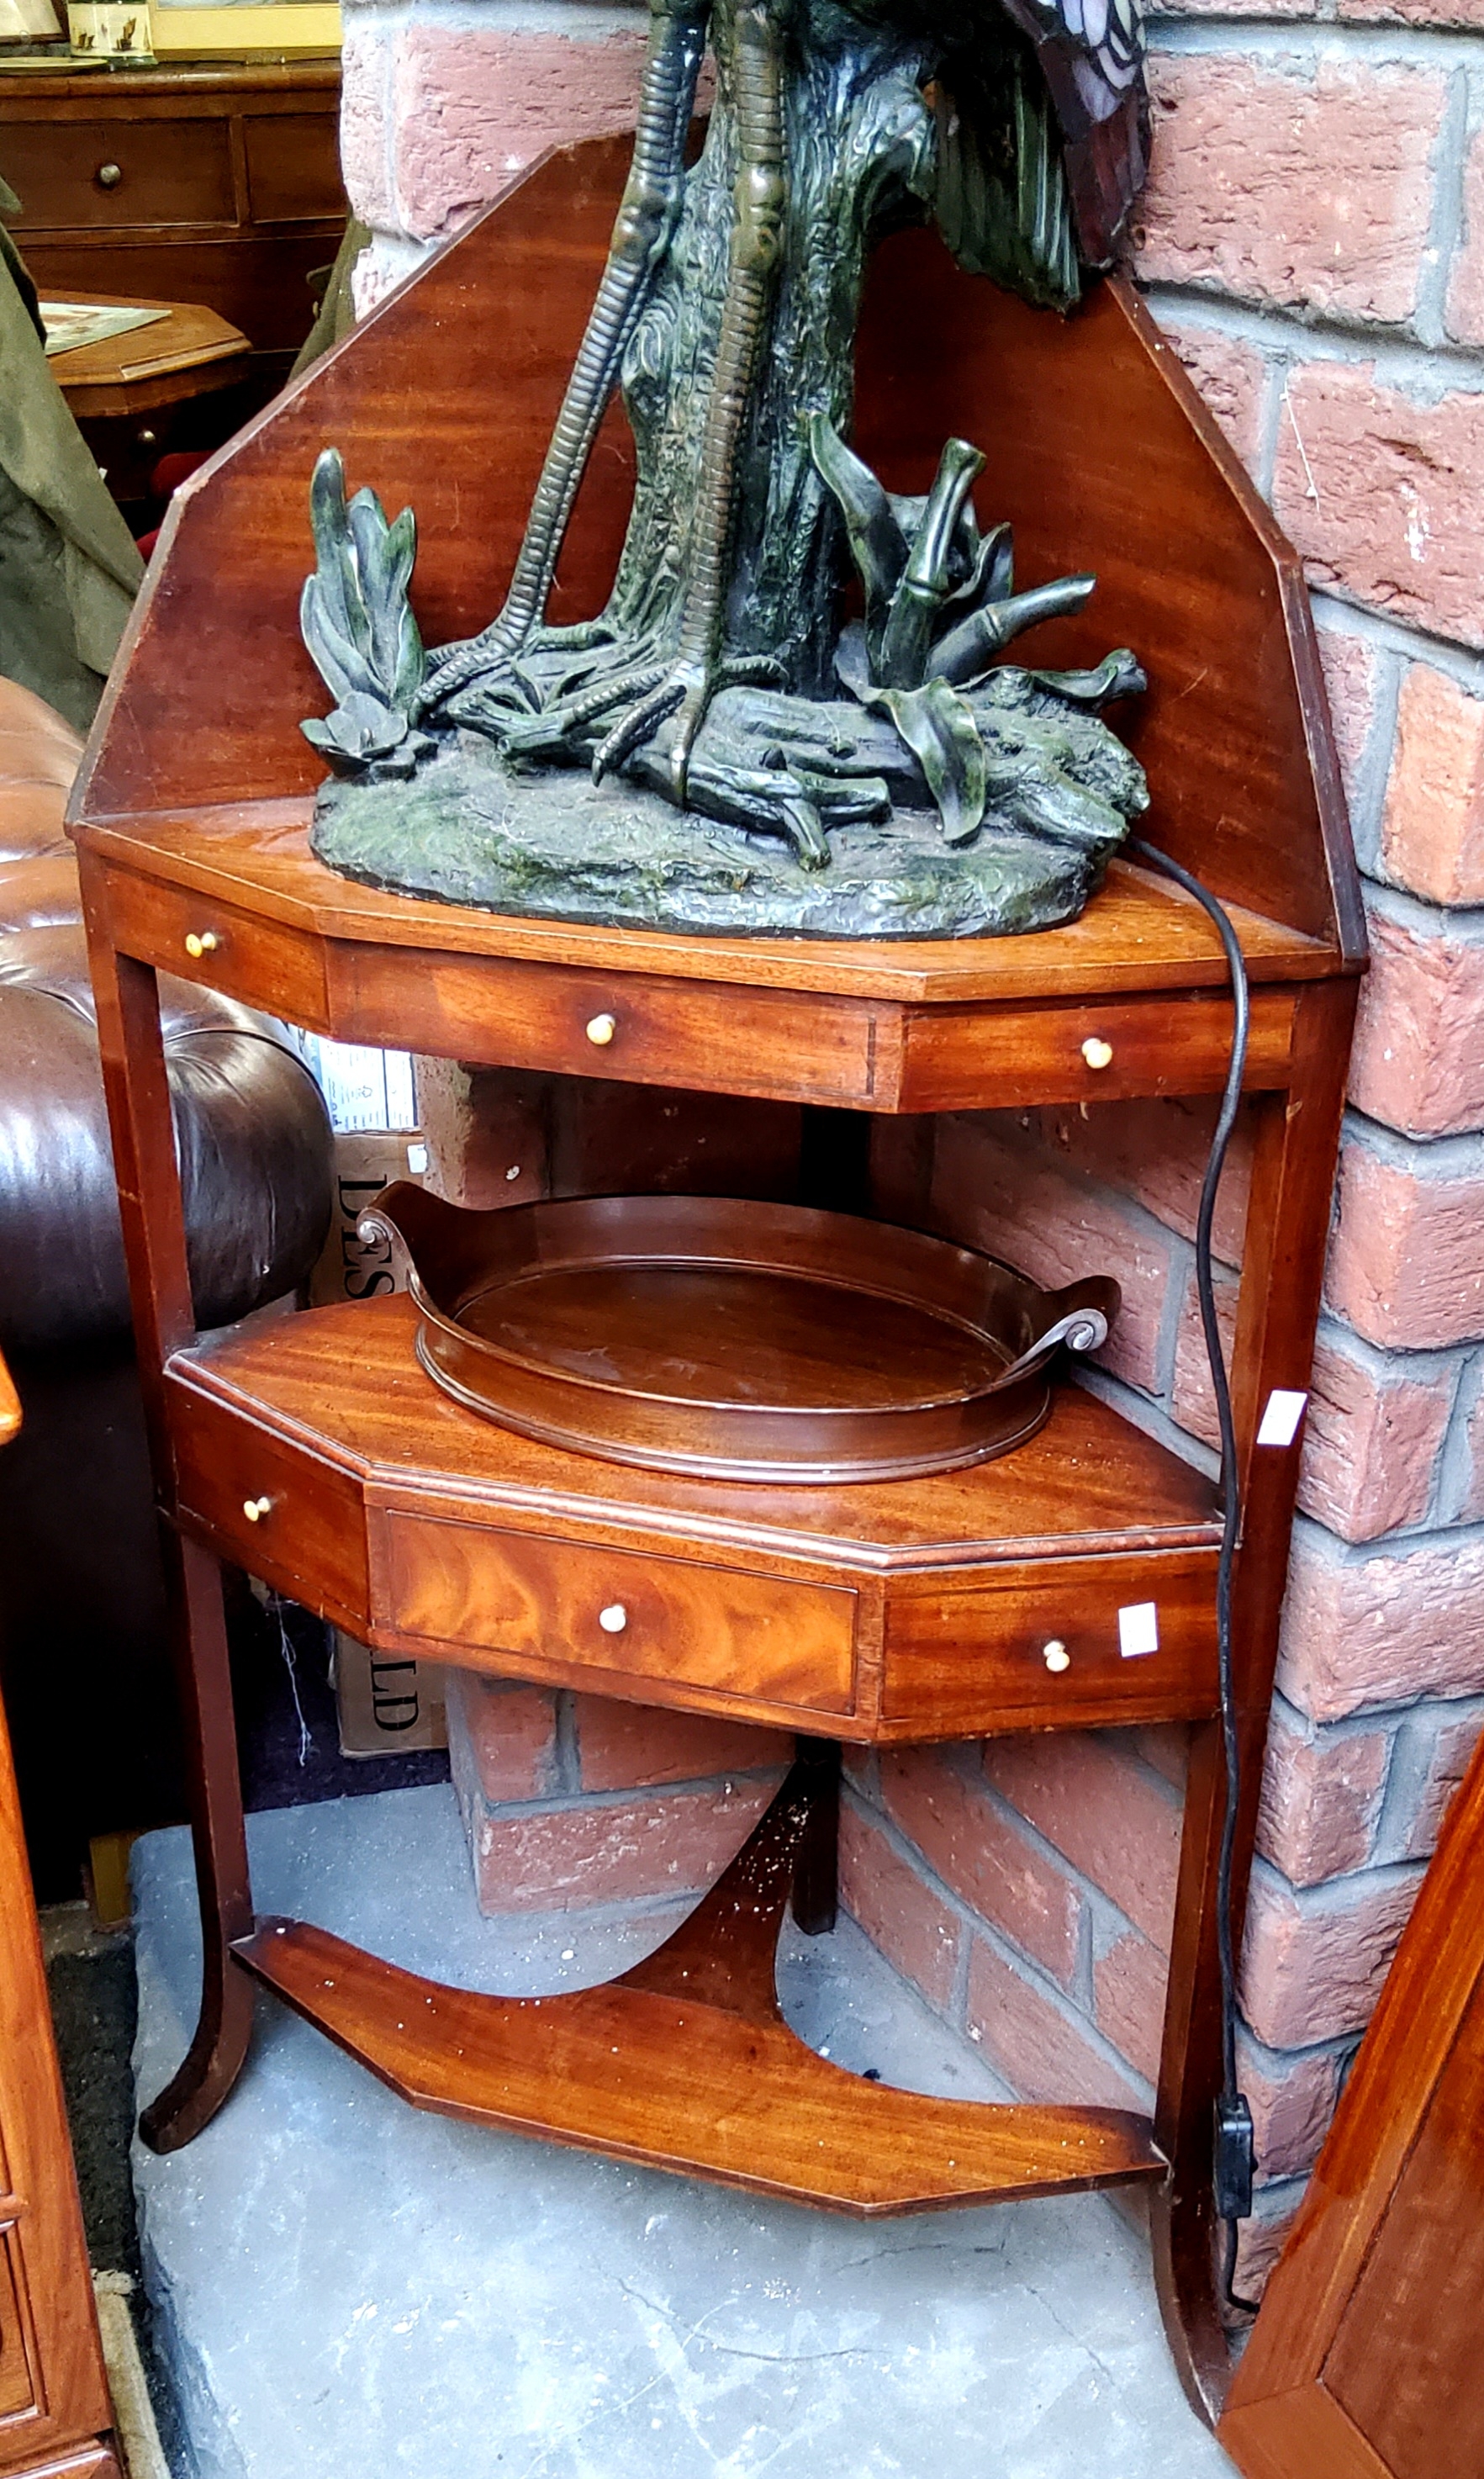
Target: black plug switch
(1236,2157)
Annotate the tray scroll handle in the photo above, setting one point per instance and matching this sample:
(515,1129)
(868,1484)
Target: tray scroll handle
(1080,1316)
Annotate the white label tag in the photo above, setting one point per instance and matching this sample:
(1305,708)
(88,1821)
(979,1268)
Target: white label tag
(1139,1629)
(1279,1423)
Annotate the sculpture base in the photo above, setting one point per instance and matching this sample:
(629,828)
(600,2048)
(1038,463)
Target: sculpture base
(467,828)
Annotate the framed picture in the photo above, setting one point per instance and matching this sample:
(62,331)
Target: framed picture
(291,28)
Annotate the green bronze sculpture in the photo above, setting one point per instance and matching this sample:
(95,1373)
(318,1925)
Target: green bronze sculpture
(747,764)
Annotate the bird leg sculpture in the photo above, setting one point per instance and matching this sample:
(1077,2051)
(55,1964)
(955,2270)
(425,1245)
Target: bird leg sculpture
(686,688)
(641,236)
(718,676)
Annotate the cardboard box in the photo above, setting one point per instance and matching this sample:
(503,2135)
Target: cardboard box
(387,1703)
(365,1163)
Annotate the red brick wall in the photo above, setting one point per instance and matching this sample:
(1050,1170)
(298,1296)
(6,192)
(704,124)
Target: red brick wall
(1314,242)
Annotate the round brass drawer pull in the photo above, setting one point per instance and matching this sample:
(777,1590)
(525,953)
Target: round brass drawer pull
(1096,1052)
(201,942)
(1054,1655)
(614,1619)
(109,176)
(255,1508)
(600,1030)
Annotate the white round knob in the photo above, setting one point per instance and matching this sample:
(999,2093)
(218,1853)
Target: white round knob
(255,1508)
(1054,1655)
(602,1030)
(200,942)
(1096,1052)
(614,1619)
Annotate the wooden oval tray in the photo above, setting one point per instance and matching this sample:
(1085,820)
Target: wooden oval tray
(732,1338)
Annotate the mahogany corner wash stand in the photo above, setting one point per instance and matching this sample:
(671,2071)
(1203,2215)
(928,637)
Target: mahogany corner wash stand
(319,1455)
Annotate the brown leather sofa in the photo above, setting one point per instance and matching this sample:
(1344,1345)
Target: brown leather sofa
(81,1617)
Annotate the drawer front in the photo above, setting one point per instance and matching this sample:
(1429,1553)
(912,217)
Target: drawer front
(268,966)
(309,1539)
(612,1611)
(78,175)
(709,1037)
(1094,1051)
(293,166)
(17,2391)
(1135,1646)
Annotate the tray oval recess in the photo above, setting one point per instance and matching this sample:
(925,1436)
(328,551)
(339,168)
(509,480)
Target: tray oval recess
(731,1338)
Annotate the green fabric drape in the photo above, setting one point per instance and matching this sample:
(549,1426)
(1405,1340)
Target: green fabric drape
(336,315)
(68,565)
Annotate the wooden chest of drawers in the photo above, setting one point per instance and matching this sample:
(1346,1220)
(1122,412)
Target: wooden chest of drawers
(213,185)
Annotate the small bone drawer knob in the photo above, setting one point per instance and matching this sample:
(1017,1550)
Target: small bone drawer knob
(1096,1052)
(1054,1655)
(600,1030)
(255,1508)
(201,942)
(109,176)
(614,1619)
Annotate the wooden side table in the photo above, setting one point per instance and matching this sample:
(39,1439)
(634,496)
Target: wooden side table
(189,352)
(319,1456)
(127,393)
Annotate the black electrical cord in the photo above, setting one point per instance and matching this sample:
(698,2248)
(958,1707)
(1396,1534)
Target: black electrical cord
(1232,2157)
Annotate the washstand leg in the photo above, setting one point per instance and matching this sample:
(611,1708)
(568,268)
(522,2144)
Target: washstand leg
(218,2051)
(1295,1142)
(816,1870)
(141,1125)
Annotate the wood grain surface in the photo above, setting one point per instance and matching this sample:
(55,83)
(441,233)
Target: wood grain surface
(1194,573)
(229,191)
(686,2064)
(187,351)
(254,857)
(53,2392)
(778,1641)
(344,1383)
(776,1019)
(420,1527)
(1365,2362)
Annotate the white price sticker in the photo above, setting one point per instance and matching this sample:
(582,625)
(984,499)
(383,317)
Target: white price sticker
(1281,1416)
(1139,1629)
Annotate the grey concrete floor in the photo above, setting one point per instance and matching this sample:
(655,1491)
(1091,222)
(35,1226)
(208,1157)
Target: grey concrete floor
(345,2286)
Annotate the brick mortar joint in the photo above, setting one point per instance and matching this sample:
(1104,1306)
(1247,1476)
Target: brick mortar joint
(1443,1711)
(1013,1956)
(1384,1362)
(1333,1551)
(1311,42)
(566,1802)
(1460,924)
(1336,1897)
(1346,339)
(1402,640)
(1090,1895)
(1439,1161)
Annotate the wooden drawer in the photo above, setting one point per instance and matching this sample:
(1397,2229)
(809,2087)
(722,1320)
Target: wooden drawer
(566,1602)
(310,1541)
(957,1058)
(1140,1642)
(293,166)
(264,964)
(170,172)
(706,1036)
(17,2390)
